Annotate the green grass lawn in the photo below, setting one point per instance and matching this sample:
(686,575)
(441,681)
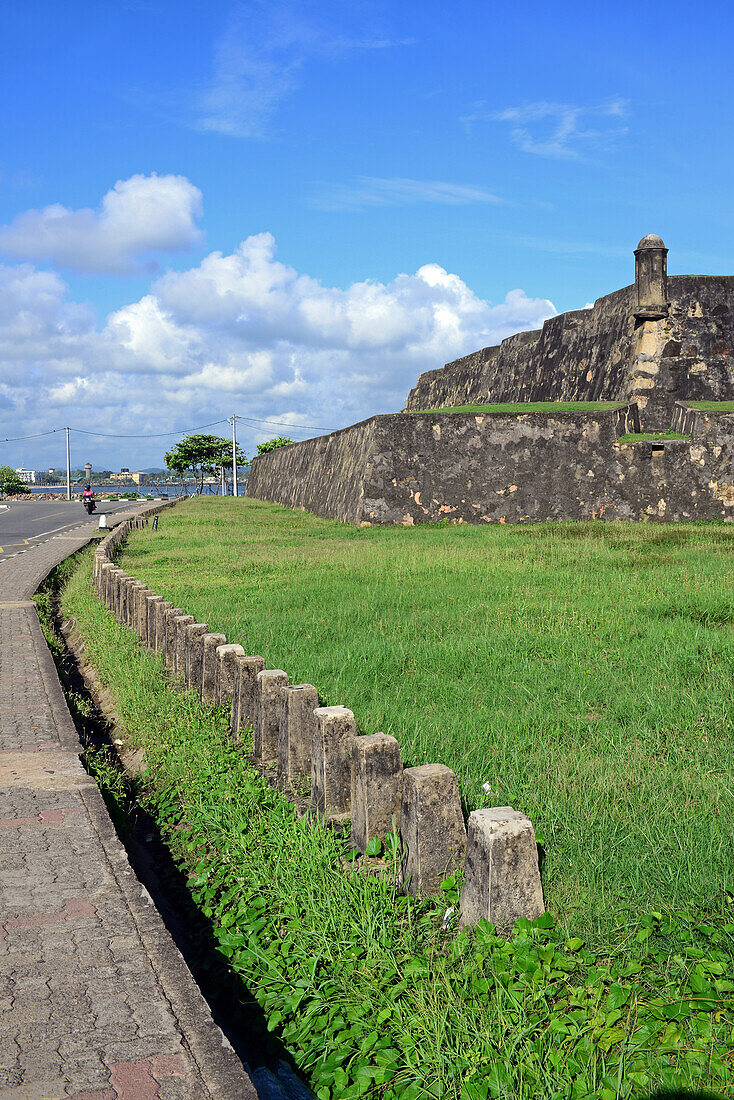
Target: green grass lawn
(368,991)
(515,407)
(646,437)
(583,670)
(712,406)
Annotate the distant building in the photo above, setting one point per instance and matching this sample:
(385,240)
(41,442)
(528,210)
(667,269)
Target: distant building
(88,470)
(138,477)
(28,476)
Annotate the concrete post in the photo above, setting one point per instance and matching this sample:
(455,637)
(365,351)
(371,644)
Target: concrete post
(332,753)
(194,652)
(170,617)
(267,714)
(179,662)
(126,599)
(152,601)
(243,696)
(295,732)
(132,603)
(106,582)
(502,878)
(160,627)
(224,686)
(120,590)
(116,586)
(376,778)
(208,685)
(432,831)
(141,612)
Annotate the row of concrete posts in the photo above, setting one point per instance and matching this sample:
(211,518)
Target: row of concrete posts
(352,777)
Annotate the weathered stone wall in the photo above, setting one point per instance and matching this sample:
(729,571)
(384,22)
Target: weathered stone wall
(601,354)
(499,468)
(323,475)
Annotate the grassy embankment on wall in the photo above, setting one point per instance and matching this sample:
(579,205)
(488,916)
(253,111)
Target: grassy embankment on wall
(585,671)
(368,993)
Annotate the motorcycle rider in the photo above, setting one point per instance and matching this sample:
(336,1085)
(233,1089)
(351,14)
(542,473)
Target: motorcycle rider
(88,498)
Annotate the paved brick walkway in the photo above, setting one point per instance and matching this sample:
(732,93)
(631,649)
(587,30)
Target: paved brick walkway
(95,999)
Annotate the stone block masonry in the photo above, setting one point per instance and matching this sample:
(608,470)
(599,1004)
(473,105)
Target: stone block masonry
(359,777)
(210,644)
(298,703)
(332,758)
(493,467)
(376,785)
(432,831)
(242,714)
(226,672)
(502,879)
(267,714)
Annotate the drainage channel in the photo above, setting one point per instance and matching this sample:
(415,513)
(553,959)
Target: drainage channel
(233,1007)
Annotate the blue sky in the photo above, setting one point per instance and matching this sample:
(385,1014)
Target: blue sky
(412,180)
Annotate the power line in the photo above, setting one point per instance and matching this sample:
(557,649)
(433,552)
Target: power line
(164,435)
(38,435)
(155,435)
(285,424)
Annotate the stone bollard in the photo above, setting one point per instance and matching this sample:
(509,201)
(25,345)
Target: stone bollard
(132,603)
(170,617)
(120,594)
(502,877)
(295,732)
(332,753)
(152,601)
(432,831)
(194,653)
(376,778)
(224,686)
(243,696)
(179,661)
(141,612)
(116,592)
(208,684)
(126,583)
(267,714)
(106,583)
(160,627)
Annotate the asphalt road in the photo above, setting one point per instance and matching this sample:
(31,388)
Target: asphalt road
(26,523)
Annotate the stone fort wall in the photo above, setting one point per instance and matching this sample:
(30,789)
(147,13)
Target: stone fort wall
(605,353)
(499,468)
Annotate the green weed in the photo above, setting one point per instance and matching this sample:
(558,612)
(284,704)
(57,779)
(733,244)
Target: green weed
(376,994)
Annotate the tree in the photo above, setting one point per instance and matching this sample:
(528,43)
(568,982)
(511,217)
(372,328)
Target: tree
(10,483)
(199,456)
(271,444)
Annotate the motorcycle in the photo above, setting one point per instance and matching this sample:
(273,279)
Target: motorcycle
(90,504)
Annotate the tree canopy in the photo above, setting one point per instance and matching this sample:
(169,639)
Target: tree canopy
(271,444)
(10,483)
(200,456)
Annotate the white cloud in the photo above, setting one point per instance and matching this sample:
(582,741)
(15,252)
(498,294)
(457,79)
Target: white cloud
(137,217)
(371,191)
(241,331)
(259,60)
(557,130)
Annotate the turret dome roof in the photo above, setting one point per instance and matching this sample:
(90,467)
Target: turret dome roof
(651,241)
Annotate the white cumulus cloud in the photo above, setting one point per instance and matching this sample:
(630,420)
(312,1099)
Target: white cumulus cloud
(241,332)
(139,216)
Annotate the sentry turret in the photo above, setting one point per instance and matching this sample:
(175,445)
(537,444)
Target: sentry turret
(651,278)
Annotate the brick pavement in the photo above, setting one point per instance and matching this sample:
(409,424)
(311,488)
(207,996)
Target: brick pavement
(95,1000)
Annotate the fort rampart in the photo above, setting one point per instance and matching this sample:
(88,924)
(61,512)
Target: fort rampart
(605,353)
(495,467)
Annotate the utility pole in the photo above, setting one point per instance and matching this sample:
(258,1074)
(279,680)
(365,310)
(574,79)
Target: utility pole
(222,481)
(234,454)
(68,468)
